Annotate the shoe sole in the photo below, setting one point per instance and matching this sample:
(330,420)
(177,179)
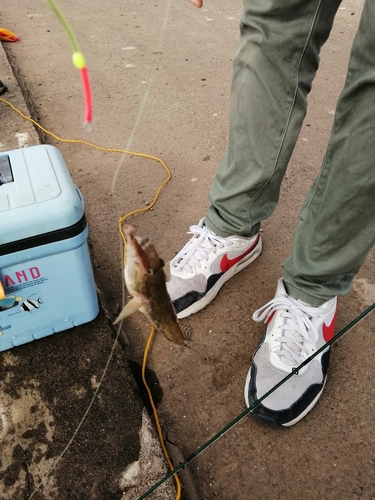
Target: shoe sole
(272,423)
(211,294)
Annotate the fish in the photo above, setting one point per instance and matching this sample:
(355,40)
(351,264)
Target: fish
(30,304)
(145,279)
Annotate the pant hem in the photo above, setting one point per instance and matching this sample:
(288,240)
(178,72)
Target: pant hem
(212,227)
(299,294)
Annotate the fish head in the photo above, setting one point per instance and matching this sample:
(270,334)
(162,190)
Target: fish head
(142,260)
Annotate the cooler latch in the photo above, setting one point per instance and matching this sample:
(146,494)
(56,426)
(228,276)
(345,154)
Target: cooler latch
(6,174)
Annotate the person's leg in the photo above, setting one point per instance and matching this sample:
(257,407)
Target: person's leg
(273,69)
(276,61)
(336,226)
(336,230)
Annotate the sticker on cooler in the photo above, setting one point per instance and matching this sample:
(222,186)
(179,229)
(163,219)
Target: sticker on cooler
(25,278)
(14,282)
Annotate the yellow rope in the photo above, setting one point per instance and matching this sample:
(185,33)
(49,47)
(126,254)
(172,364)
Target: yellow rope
(158,427)
(139,210)
(101,148)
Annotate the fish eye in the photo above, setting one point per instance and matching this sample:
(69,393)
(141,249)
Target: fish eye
(151,271)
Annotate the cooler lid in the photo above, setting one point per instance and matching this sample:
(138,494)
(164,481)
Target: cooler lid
(37,193)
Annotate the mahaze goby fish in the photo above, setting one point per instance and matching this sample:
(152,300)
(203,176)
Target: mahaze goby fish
(145,277)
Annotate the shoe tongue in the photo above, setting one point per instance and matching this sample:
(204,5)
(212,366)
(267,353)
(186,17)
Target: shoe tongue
(287,358)
(293,346)
(282,291)
(205,243)
(208,229)
(288,344)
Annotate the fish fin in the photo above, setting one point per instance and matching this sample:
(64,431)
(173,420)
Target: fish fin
(131,307)
(178,335)
(187,331)
(176,339)
(167,271)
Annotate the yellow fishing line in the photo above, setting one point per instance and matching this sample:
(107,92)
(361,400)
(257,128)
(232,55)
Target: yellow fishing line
(149,341)
(158,427)
(101,148)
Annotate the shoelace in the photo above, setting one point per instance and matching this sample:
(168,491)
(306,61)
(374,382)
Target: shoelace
(198,247)
(296,329)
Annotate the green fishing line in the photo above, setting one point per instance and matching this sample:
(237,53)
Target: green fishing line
(77,58)
(65,24)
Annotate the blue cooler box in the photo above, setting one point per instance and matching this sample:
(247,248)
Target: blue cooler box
(45,266)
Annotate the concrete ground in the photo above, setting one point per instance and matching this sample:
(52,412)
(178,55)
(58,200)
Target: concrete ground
(73,425)
(160,75)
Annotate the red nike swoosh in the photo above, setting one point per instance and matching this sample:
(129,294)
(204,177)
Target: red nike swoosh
(268,321)
(226,263)
(328,330)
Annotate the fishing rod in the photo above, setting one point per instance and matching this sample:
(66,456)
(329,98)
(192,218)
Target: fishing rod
(257,402)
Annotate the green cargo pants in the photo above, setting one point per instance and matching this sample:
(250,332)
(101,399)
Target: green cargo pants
(273,70)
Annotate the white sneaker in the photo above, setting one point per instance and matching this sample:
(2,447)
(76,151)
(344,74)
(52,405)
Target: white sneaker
(205,263)
(295,330)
